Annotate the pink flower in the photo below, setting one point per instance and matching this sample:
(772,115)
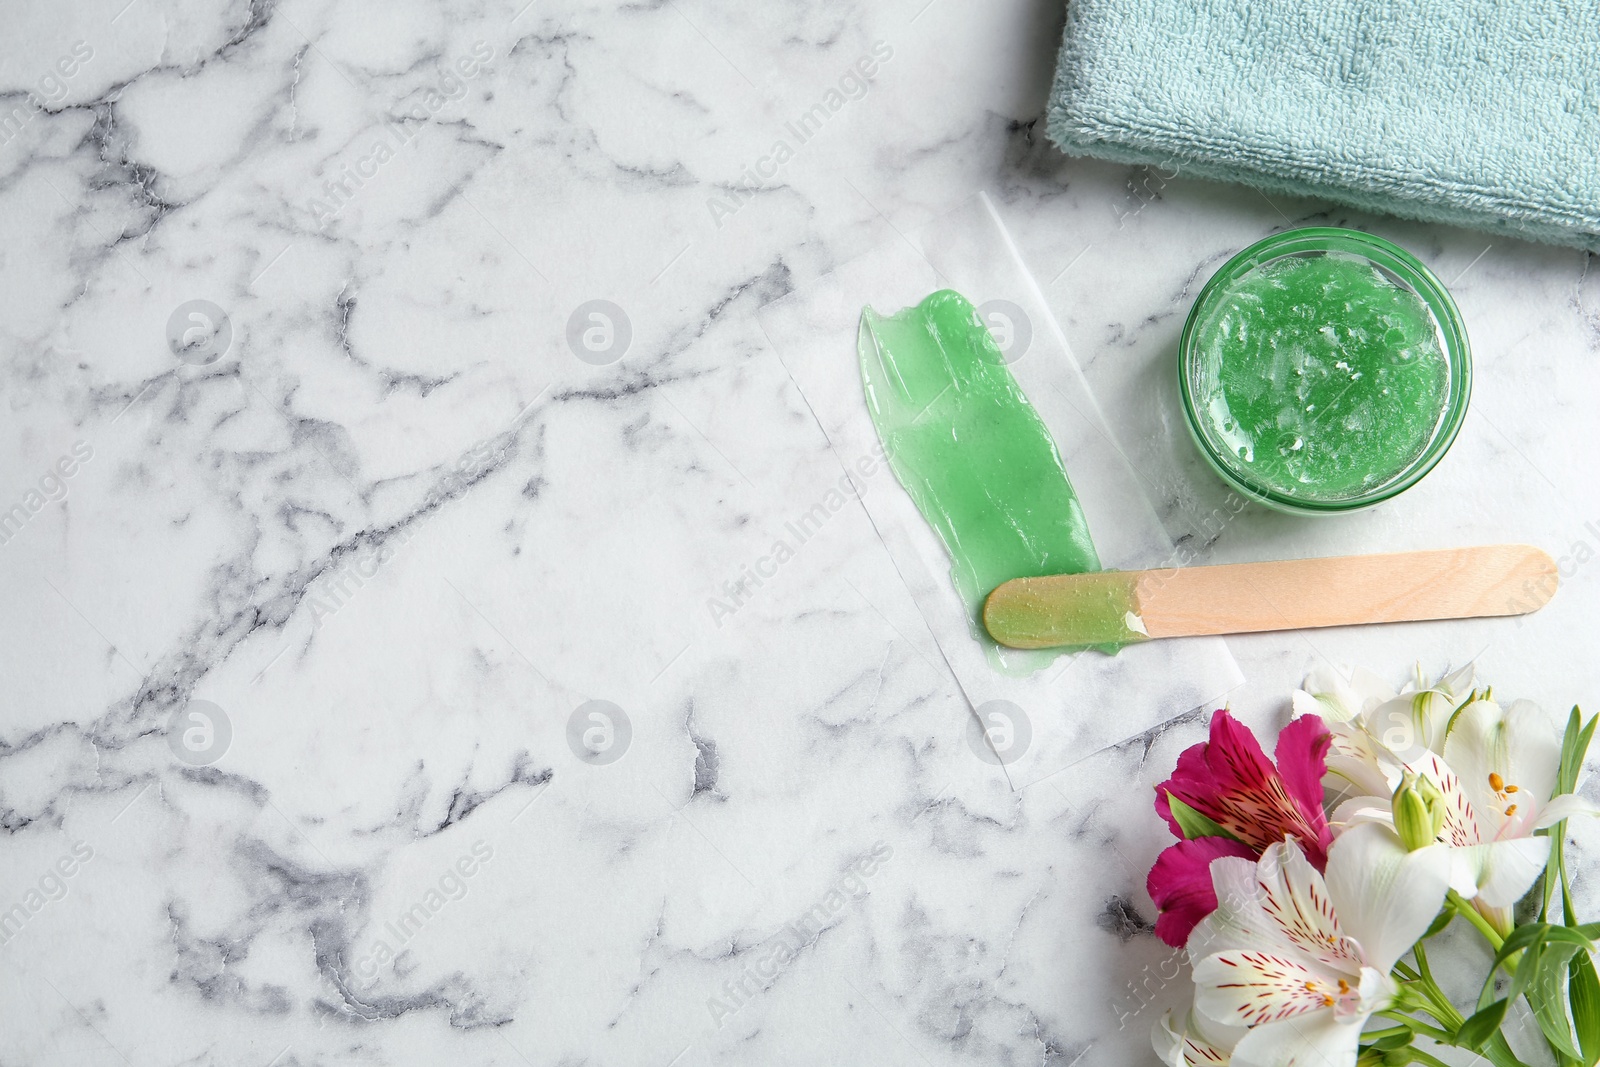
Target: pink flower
(1180,884)
(1230,781)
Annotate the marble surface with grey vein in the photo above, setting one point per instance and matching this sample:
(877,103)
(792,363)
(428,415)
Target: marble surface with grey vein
(389,445)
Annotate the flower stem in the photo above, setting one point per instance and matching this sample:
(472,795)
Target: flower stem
(1469,913)
(1431,998)
(1423,994)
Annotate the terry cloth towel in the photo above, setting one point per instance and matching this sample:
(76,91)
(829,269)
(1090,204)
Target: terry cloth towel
(1481,113)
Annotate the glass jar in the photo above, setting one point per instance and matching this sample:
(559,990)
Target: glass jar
(1324,370)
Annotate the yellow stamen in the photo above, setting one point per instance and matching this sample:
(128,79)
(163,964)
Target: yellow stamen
(1344,987)
(1327,1001)
(1512,810)
(1311,987)
(1496,782)
(1511,789)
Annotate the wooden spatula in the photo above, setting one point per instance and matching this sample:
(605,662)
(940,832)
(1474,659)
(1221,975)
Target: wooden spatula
(1110,607)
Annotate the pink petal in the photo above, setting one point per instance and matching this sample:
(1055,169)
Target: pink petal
(1231,781)
(1302,758)
(1230,760)
(1180,884)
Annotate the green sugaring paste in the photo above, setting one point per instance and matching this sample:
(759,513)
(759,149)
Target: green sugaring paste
(1099,610)
(1319,376)
(970,449)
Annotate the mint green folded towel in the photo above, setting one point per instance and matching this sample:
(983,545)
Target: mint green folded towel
(1481,113)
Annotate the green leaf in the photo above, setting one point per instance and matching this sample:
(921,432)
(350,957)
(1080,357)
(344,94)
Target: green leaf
(1193,823)
(1527,968)
(1525,938)
(1569,744)
(1547,996)
(1484,1024)
(1554,866)
(1532,936)
(1521,938)
(1583,987)
(1574,746)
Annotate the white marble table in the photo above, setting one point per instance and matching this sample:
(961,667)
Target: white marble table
(399,533)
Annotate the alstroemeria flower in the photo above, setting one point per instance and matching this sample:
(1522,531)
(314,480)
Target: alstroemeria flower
(1229,780)
(1201,1043)
(1497,774)
(1303,960)
(1377,730)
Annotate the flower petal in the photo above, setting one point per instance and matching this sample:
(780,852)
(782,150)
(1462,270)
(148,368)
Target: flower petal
(1327,690)
(1457,684)
(1249,988)
(1200,1043)
(1385,897)
(1230,780)
(1168,1042)
(1564,806)
(1321,1039)
(1363,765)
(1326,693)
(1297,897)
(1499,873)
(1357,810)
(1180,884)
(1410,723)
(1519,745)
(1465,822)
(1301,757)
(1278,906)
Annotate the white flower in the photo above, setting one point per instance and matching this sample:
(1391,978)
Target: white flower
(1497,773)
(1377,730)
(1505,762)
(1303,960)
(1201,1043)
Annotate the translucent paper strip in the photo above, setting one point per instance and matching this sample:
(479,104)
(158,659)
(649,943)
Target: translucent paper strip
(1042,712)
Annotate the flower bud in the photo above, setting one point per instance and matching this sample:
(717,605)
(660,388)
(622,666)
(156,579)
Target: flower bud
(1418,811)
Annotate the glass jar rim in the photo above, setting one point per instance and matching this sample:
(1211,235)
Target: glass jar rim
(1397,262)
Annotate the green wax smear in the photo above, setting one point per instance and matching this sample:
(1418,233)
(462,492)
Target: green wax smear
(1320,377)
(971,450)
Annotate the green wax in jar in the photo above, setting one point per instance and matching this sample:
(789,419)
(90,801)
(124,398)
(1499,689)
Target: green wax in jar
(969,448)
(1320,376)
